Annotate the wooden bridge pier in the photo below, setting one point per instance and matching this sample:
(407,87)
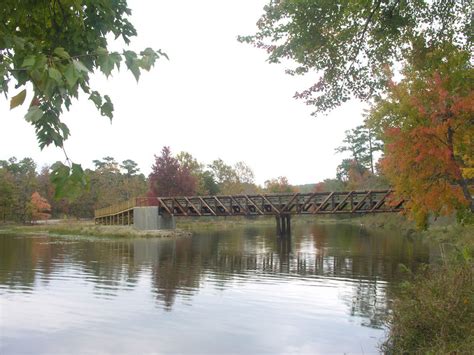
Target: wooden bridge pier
(283,224)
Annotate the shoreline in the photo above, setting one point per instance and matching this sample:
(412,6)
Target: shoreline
(440,231)
(88,228)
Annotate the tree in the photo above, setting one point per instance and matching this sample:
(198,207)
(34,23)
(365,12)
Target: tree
(204,179)
(237,179)
(244,173)
(225,176)
(210,186)
(187,161)
(24,178)
(348,44)
(361,143)
(106,182)
(40,208)
(169,178)
(278,185)
(7,190)
(133,183)
(331,185)
(223,172)
(51,48)
(130,167)
(349,168)
(427,124)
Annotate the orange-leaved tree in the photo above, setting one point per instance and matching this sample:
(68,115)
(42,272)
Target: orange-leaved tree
(40,208)
(427,124)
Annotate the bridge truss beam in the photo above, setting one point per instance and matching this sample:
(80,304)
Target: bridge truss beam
(349,202)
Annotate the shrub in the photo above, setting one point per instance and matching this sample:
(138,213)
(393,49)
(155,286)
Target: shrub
(434,312)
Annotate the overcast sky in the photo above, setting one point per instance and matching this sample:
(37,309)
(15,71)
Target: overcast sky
(215,98)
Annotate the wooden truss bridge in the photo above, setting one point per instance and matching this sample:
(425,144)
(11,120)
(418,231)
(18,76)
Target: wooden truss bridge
(282,206)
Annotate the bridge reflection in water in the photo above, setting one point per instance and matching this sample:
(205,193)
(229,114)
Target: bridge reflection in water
(282,206)
(361,265)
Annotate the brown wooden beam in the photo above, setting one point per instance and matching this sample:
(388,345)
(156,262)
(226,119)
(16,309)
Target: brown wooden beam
(277,210)
(323,203)
(295,196)
(209,207)
(192,205)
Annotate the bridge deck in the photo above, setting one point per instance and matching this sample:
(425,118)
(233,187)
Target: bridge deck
(348,202)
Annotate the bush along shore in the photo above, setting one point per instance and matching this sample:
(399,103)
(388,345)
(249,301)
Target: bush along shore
(434,311)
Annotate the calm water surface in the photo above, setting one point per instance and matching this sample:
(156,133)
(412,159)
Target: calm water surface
(242,290)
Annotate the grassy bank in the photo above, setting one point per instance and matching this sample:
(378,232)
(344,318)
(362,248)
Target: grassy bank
(434,312)
(74,227)
(88,228)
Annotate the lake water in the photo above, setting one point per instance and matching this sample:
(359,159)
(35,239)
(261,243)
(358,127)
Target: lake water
(240,290)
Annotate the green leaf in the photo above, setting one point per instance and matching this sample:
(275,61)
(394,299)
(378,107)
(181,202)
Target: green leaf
(149,57)
(106,64)
(132,63)
(107,108)
(29,61)
(59,177)
(102,51)
(34,114)
(64,129)
(71,75)
(55,75)
(61,53)
(96,99)
(19,42)
(162,54)
(117,58)
(148,52)
(18,99)
(68,182)
(80,66)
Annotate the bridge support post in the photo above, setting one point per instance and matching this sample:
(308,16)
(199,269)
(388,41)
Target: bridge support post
(148,218)
(283,224)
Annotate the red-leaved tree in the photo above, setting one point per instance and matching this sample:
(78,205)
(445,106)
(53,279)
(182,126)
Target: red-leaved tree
(169,177)
(40,208)
(428,130)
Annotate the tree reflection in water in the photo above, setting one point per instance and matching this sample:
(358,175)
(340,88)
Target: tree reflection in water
(367,263)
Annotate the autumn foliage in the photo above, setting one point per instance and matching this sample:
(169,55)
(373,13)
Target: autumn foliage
(428,129)
(40,208)
(170,178)
(279,185)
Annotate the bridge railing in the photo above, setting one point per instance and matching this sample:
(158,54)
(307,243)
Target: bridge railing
(147,201)
(115,209)
(126,205)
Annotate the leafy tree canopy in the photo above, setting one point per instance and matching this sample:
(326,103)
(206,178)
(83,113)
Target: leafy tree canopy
(130,167)
(51,48)
(427,122)
(361,143)
(169,177)
(278,185)
(351,43)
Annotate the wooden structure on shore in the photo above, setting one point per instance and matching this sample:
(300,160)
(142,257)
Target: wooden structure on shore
(282,206)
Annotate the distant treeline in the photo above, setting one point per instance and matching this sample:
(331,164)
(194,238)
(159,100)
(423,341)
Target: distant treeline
(110,182)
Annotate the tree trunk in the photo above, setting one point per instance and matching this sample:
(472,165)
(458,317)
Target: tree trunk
(461,182)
